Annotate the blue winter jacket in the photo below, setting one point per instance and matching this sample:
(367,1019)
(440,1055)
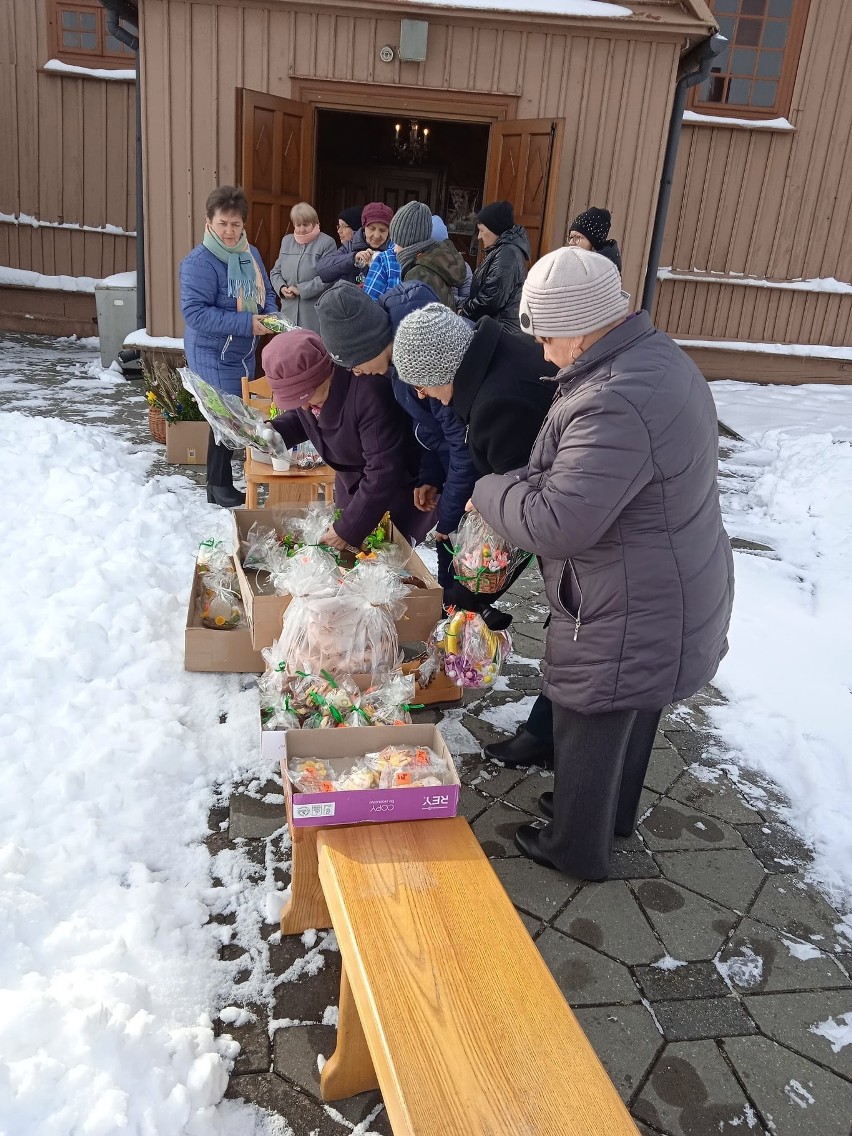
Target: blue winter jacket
(218,339)
(340,264)
(445,460)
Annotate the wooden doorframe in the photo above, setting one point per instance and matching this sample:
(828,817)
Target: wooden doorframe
(431,102)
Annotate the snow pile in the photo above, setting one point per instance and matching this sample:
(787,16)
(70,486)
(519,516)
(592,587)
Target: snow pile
(788,675)
(23,278)
(837,1034)
(744,970)
(111,753)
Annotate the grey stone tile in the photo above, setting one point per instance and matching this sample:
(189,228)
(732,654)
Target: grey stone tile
(671,825)
(647,800)
(664,768)
(626,1040)
(780,968)
(266,1090)
(252,819)
(483,731)
(789,1018)
(495,829)
(801,1098)
(540,891)
(584,976)
(794,906)
(526,645)
(526,794)
(606,916)
(692,1092)
(729,876)
(471,804)
(691,928)
(255,1054)
(694,980)
(632,866)
(778,849)
(715,798)
(691,745)
(306,997)
(533,925)
(490,778)
(705,1018)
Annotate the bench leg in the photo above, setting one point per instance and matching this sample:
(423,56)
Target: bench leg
(306,906)
(350,1069)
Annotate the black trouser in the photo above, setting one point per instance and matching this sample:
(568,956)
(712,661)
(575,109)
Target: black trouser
(600,761)
(219,465)
(540,721)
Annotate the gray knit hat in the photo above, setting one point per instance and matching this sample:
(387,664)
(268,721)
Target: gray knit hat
(571,292)
(411,225)
(429,346)
(353,327)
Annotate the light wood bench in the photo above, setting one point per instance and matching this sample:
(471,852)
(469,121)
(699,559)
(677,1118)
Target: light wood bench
(446,1005)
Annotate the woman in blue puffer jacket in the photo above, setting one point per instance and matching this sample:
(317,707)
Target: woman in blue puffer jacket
(224,289)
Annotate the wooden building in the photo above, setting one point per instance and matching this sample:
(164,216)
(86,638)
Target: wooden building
(67,180)
(314,100)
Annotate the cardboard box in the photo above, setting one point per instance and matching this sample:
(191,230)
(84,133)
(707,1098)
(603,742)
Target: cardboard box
(265,610)
(339,749)
(224,651)
(186,443)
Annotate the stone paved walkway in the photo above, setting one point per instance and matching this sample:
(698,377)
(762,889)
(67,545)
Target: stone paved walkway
(700,971)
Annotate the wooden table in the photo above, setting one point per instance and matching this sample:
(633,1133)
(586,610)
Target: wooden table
(294,485)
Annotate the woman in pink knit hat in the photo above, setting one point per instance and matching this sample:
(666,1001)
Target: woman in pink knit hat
(357,426)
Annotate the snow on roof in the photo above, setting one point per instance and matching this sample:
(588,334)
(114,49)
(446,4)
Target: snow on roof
(815,284)
(800,350)
(35,223)
(594,9)
(22,278)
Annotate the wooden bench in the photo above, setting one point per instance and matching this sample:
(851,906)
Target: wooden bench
(446,1005)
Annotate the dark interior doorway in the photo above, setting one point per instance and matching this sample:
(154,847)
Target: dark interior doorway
(356,163)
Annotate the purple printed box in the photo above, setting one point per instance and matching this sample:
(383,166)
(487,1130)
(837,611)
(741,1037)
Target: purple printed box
(339,749)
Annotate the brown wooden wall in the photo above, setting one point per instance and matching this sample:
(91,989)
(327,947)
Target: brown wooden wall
(613,88)
(772,205)
(68,156)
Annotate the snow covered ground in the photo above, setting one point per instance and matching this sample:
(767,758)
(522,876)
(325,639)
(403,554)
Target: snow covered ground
(788,676)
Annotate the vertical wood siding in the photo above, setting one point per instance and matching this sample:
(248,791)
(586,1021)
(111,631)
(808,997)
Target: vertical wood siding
(614,93)
(772,205)
(71,157)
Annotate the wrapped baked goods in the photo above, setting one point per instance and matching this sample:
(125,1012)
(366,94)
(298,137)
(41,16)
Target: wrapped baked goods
(482,559)
(472,655)
(386,703)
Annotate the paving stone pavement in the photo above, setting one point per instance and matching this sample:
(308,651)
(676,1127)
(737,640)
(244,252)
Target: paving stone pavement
(707,972)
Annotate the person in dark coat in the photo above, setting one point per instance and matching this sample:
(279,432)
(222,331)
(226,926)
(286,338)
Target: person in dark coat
(359,429)
(620,502)
(348,223)
(352,260)
(224,289)
(590,230)
(493,382)
(358,333)
(421,257)
(496,286)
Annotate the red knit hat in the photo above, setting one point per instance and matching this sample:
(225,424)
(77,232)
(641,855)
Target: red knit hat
(376,211)
(296,364)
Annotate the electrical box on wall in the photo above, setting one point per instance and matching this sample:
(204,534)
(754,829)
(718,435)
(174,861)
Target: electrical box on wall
(413,37)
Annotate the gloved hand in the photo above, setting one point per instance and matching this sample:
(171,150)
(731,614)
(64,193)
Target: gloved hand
(269,434)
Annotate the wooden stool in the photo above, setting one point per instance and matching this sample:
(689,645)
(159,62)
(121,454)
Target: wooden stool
(294,486)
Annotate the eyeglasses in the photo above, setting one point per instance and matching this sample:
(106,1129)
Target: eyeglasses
(574,238)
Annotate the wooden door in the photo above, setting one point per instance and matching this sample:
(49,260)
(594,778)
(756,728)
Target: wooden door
(276,152)
(523,163)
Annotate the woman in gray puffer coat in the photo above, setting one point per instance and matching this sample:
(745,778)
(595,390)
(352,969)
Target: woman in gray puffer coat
(294,275)
(621,504)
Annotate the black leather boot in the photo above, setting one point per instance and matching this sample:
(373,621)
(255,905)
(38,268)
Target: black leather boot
(225,496)
(526,840)
(545,805)
(522,750)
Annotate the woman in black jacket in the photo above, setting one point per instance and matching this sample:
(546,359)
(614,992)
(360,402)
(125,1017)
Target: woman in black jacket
(496,286)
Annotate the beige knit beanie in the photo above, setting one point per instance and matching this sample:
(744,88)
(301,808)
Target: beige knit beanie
(571,292)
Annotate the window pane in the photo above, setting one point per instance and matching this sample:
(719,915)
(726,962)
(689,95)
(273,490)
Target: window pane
(780,8)
(88,41)
(726,27)
(743,60)
(70,39)
(739,91)
(716,89)
(69,19)
(726,7)
(748,32)
(764,94)
(753,7)
(774,33)
(769,64)
(87,21)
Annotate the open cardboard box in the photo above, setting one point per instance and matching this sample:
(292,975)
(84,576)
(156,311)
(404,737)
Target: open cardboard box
(265,610)
(339,749)
(209,650)
(186,442)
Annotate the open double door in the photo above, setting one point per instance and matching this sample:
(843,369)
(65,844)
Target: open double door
(277,168)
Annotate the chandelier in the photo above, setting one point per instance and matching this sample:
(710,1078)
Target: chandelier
(411,149)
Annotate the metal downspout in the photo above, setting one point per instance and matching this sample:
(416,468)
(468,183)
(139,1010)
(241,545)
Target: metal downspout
(697,62)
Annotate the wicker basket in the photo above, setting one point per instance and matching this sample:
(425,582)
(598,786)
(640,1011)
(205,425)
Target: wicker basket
(157,424)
